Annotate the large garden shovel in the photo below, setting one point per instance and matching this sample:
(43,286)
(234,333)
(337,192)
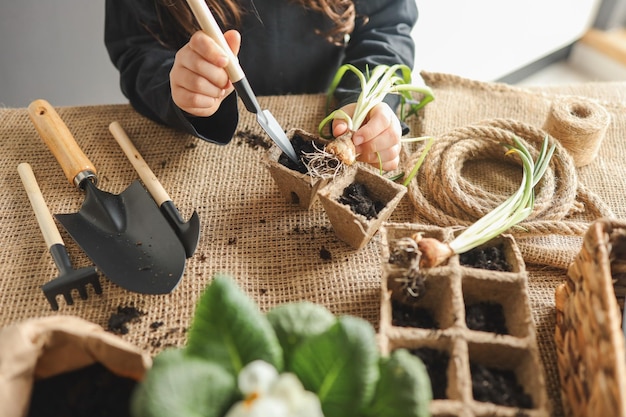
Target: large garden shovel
(125,235)
(267,121)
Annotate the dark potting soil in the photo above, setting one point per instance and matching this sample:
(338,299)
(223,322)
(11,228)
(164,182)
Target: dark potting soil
(491,258)
(436,362)
(498,386)
(118,321)
(357,197)
(404,315)
(93,391)
(486,316)
(301,147)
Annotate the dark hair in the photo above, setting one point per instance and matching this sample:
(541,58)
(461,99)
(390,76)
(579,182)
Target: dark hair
(177,22)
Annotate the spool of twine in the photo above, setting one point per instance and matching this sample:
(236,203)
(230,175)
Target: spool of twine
(580,125)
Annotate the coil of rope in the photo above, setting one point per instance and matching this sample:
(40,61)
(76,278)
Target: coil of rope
(443,197)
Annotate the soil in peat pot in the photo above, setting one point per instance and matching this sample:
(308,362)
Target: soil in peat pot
(490,257)
(301,147)
(404,315)
(357,197)
(498,386)
(436,362)
(486,316)
(92,391)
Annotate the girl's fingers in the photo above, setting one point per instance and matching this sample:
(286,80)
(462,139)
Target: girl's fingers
(390,158)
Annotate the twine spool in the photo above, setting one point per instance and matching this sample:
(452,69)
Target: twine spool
(580,125)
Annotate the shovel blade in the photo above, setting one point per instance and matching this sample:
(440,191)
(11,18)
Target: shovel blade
(276,133)
(128,238)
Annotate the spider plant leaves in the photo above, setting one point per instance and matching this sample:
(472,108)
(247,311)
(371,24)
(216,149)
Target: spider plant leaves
(375,85)
(178,385)
(229,329)
(403,389)
(514,209)
(340,365)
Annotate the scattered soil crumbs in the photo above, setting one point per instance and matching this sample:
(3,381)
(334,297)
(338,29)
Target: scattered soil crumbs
(436,362)
(486,316)
(313,230)
(491,258)
(118,321)
(357,197)
(325,254)
(253,140)
(404,315)
(498,387)
(301,147)
(92,391)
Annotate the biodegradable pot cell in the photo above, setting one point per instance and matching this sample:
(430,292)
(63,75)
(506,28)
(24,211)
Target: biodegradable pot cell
(49,347)
(588,336)
(351,227)
(297,186)
(508,361)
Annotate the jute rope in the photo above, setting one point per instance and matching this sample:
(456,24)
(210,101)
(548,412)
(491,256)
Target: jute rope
(442,195)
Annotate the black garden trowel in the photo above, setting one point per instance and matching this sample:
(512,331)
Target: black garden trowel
(125,235)
(267,121)
(187,231)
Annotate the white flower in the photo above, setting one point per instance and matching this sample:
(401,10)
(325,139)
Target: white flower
(269,394)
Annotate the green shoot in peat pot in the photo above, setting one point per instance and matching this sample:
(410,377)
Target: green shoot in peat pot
(375,85)
(508,214)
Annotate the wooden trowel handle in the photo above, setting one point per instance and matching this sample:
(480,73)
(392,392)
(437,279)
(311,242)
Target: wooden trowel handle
(145,173)
(209,26)
(61,142)
(46,223)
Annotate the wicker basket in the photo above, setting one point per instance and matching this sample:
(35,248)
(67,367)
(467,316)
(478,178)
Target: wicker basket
(448,291)
(588,335)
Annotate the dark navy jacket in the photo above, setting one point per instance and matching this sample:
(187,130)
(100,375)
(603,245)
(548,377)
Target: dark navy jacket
(280,54)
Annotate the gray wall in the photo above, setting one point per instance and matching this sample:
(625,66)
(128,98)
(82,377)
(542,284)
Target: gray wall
(55,50)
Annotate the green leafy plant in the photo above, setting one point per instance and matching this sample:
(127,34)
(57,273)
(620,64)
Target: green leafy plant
(508,214)
(335,358)
(375,85)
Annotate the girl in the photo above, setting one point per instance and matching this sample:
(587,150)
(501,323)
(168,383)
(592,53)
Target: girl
(174,74)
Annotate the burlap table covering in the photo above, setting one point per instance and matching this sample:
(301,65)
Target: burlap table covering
(275,250)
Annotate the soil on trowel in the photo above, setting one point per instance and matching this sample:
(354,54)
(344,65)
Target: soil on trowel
(302,147)
(404,315)
(436,362)
(357,197)
(490,257)
(486,316)
(93,391)
(498,386)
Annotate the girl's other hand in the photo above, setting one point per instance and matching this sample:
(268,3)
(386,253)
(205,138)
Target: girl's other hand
(198,78)
(378,135)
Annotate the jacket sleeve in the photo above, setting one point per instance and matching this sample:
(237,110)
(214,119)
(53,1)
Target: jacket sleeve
(382,35)
(144,65)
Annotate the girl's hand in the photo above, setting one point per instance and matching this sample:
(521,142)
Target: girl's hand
(380,134)
(198,79)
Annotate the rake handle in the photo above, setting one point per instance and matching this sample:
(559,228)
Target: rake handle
(56,135)
(48,228)
(145,173)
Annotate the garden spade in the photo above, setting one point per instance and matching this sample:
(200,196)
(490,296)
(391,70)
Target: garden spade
(267,121)
(187,231)
(125,235)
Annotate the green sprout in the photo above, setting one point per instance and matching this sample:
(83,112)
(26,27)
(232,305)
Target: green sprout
(512,211)
(375,85)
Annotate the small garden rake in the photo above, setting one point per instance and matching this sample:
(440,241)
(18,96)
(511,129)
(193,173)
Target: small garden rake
(69,278)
